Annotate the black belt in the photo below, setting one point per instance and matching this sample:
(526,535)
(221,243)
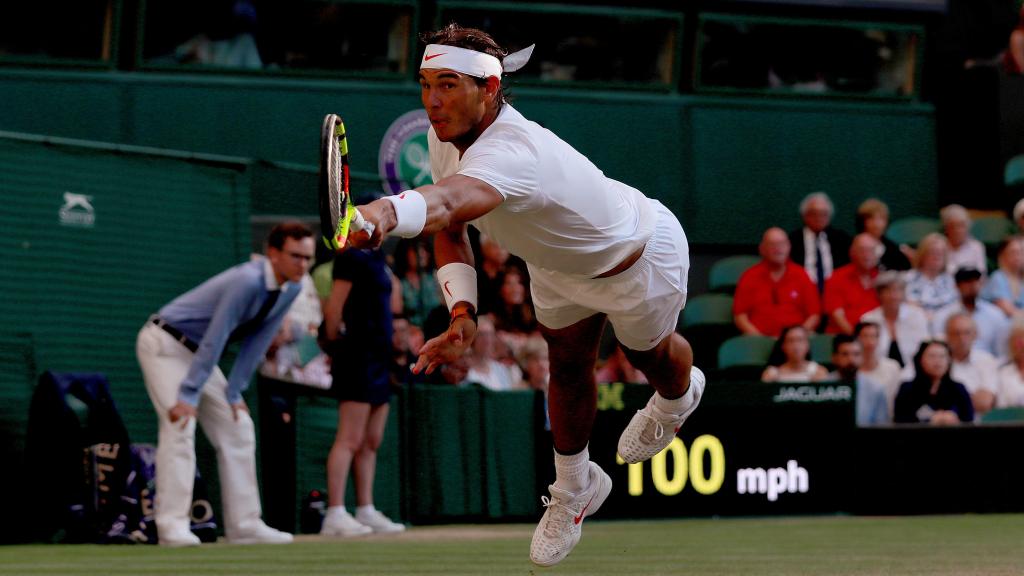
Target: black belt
(185,341)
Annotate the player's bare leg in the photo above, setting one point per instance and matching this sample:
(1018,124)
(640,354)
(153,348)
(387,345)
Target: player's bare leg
(679,386)
(580,485)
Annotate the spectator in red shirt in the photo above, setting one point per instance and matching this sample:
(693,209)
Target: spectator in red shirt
(776,292)
(850,292)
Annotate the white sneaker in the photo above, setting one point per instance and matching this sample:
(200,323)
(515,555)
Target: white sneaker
(258,533)
(343,524)
(177,538)
(562,524)
(645,435)
(378,522)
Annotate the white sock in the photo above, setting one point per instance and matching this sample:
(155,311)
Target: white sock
(364,509)
(675,406)
(333,511)
(572,473)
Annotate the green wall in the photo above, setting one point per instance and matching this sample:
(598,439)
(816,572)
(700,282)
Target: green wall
(728,166)
(77,287)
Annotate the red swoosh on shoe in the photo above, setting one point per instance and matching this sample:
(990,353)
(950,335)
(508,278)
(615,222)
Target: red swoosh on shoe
(579,518)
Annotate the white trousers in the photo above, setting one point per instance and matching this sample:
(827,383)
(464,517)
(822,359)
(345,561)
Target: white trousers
(165,363)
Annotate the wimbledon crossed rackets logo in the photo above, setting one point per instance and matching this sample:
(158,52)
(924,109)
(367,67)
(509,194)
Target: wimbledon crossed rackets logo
(404,161)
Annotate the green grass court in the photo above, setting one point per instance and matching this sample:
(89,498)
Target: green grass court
(926,545)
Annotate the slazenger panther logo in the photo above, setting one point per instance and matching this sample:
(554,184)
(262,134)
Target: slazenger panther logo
(77,211)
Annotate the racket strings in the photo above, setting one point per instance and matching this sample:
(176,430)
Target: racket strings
(335,180)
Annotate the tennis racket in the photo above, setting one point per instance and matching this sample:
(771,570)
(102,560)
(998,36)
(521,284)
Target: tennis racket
(338,215)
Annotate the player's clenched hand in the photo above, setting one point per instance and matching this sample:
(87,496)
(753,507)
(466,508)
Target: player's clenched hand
(447,347)
(380,215)
(237,407)
(182,411)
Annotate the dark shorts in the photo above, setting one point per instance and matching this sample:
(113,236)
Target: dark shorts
(359,377)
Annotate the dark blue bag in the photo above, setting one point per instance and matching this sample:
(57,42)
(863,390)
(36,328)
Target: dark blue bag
(135,522)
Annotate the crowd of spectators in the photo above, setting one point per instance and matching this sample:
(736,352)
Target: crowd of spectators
(934,329)
(891,308)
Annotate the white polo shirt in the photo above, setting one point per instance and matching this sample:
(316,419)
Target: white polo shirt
(980,371)
(560,213)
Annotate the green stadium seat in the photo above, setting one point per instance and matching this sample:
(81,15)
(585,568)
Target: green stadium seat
(821,348)
(1014,175)
(912,229)
(707,322)
(707,309)
(1009,414)
(725,273)
(990,230)
(744,357)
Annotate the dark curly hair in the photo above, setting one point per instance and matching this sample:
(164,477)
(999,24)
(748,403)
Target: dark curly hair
(471,39)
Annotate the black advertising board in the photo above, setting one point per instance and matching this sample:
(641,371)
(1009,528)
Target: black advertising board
(750,448)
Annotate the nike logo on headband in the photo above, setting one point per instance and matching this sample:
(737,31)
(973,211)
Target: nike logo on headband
(425,57)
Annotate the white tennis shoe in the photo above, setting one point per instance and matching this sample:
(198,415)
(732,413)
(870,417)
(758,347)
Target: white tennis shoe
(646,434)
(562,524)
(343,524)
(378,522)
(256,532)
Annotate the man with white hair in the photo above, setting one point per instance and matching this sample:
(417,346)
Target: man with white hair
(817,246)
(597,251)
(976,369)
(965,251)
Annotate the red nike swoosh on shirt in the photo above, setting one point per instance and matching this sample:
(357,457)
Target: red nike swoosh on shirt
(579,518)
(450,295)
(425,57)
(401,196)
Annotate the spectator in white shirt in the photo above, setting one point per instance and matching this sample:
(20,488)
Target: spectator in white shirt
(965,251)
(976,369)
(1011,374)
(901,326)
(881,369)
(484,367)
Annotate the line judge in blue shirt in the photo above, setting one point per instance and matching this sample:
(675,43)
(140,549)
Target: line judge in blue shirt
(178,350)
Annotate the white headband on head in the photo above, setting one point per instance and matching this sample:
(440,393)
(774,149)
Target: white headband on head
(471,62)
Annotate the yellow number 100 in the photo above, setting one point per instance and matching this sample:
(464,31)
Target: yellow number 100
(670,485)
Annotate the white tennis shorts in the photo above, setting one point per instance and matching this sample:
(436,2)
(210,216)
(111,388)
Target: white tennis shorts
(642,302)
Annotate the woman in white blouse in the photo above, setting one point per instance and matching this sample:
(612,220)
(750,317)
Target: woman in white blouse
(901,326)
(929,285)
(965,251)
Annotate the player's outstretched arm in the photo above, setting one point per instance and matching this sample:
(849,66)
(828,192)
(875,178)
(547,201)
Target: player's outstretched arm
(453,200)
(451,246)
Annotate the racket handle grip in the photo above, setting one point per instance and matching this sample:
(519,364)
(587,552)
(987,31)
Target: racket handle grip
(360,223)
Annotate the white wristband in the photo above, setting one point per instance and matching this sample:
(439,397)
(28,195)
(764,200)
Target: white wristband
(410,213)
(458,283)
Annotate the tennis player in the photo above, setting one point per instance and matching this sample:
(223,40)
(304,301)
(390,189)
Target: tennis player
(596,249)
